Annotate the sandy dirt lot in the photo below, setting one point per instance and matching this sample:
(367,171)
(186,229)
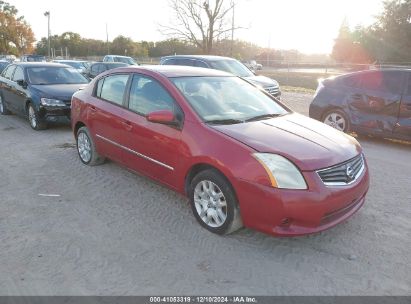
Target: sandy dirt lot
(112,232)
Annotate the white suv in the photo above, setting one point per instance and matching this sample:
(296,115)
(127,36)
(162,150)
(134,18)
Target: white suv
(118,58)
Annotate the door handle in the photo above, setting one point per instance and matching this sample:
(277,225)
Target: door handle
(127,125)
(93,110)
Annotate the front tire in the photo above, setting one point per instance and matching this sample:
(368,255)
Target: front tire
(36,123)
(86,148)
(337,119)
(214,202)
(3,107)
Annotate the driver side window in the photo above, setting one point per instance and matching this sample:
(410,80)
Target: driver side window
(18,74)
(147,95)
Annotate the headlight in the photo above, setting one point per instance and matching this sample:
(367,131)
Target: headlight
(282,173)
(52,102)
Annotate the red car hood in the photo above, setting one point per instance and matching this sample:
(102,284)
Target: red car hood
(311,145)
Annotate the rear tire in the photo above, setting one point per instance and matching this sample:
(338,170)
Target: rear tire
(214,202)
(337,119)
(3,107)
(36,123)
(86,148)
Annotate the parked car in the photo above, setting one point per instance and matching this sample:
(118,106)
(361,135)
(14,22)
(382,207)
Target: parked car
(3,64)
(99,67)
(226,64)
(8,58)
(253,65)
(40,91)
(118,58)
(376,102)
(241,156)
(79,65)
(33,58)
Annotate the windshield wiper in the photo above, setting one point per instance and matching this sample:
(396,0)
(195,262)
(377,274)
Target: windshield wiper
(261,117)
(224,121)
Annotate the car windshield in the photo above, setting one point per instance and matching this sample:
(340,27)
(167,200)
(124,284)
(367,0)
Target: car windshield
(127,60)
(54,75)
(74,64)
(231,66)
(227,100)
(36,58)
(116,65)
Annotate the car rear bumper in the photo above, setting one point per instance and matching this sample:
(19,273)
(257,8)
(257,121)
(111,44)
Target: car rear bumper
(285,212)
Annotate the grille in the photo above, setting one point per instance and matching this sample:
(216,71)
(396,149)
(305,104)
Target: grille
(344,173)
(272,90)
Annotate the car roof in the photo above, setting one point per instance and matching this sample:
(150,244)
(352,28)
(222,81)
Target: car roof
(372,70)
(172,71)
(117,56)
(39,64)
(68,60)
(33,55)
(203,57)
(110,63)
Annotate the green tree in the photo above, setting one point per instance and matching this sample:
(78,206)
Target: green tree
(16,36)
(387,40)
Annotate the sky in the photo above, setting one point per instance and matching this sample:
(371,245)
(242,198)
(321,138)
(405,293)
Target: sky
(309,26)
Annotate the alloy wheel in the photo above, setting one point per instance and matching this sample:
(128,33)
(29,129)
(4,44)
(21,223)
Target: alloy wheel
(210,203)
(336,121)
(32,117)
(84,147)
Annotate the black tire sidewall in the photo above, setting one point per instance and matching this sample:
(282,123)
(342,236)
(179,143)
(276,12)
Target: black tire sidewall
(5,110)
(226,188)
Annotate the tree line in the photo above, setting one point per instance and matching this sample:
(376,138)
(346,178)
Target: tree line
(204,27)
(16,36)
(388,40)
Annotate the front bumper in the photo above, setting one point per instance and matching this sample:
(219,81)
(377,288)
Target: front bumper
(53,113)
(284,212)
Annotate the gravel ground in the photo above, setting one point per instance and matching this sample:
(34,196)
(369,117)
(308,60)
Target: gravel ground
(112,232)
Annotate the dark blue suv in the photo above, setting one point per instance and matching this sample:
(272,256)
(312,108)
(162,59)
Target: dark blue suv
(375,102)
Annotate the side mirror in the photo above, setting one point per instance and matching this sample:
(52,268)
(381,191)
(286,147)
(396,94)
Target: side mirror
(166,117)
(22,83)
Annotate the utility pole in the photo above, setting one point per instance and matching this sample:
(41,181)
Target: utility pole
(47,14)
(232,28)
(108,47)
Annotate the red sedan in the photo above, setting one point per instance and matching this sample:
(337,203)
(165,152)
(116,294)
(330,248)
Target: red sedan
(240,156)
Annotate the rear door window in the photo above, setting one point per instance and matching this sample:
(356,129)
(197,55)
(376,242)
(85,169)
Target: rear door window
(18,74)
(147,95)
(352,81)
(112,88)
(94,68)
(186,62)
(372,81)
(383,81)
(170,62)
(393,81)
(201,64)
(409,85)
(8,73)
